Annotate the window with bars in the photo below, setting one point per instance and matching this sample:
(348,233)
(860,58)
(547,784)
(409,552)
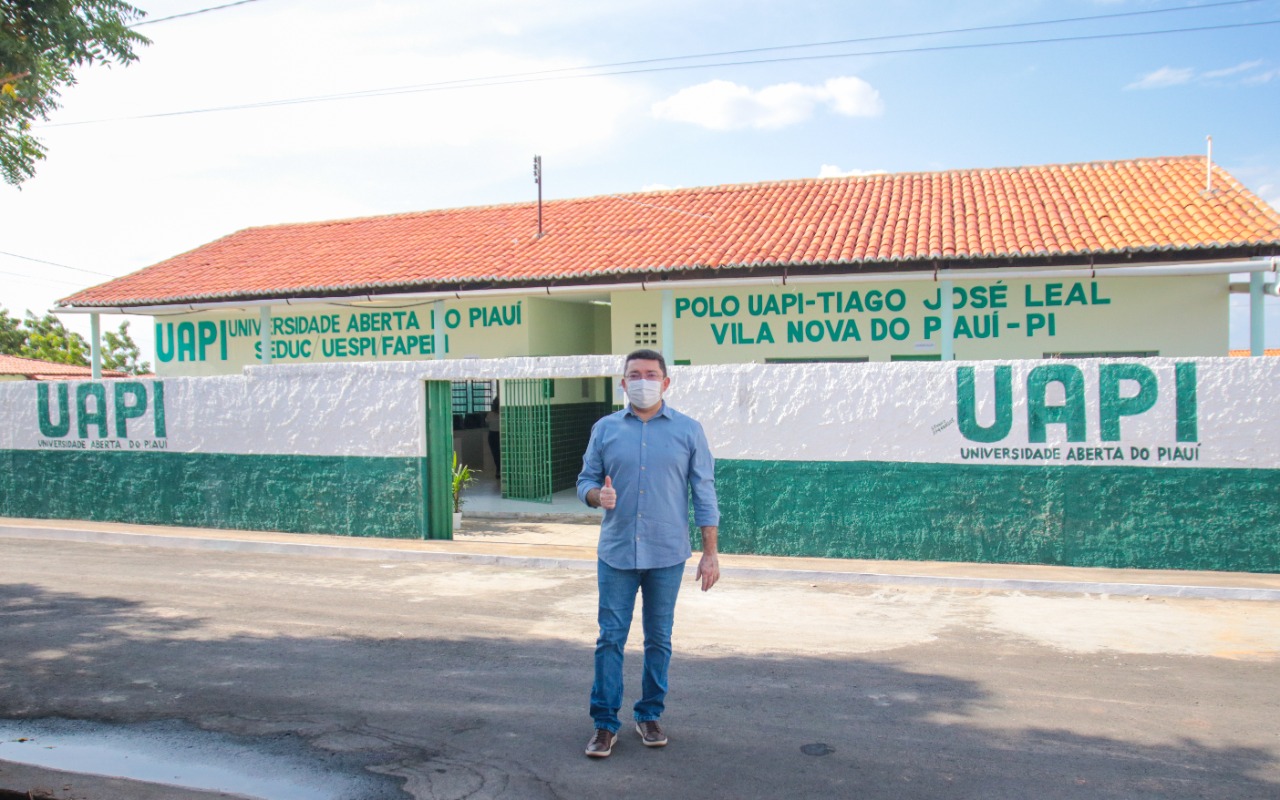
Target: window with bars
(646,334)
(471,401)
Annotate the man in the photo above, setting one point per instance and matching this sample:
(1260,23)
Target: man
(641,465)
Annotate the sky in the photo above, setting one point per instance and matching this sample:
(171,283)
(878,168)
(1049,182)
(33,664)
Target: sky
(132,177)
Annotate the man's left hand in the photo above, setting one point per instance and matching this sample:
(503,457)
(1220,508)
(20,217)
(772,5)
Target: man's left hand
(708,570)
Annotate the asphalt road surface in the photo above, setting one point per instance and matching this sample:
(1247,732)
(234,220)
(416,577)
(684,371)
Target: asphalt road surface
(438,680)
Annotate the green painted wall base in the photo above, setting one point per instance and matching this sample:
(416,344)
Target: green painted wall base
(1143,517)
(296,494)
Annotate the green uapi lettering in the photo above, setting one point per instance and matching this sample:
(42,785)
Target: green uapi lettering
(164,341)
(85,417)
(186,341)
(1187,406)
(1040,414)
(967,405)
(208,335)
(126,411)
(1111,406)
(47,426)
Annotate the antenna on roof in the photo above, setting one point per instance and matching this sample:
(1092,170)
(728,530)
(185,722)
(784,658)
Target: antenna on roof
(1208,167)
(537,178)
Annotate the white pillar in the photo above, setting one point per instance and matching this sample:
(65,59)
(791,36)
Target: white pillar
(95,349)
(264,332)
(437,314)
(668,325)
(1257,316)
(948,322)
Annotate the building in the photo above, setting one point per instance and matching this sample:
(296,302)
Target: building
(1108,258)
(266,414)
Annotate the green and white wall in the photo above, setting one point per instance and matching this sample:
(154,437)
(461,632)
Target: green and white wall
(1158,463)
(1153,463)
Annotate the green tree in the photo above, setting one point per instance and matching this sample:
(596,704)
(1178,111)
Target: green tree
(42,43)
(12,337)
(119,352)
(49,340)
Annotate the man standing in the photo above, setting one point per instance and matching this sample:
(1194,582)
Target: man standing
(641,465)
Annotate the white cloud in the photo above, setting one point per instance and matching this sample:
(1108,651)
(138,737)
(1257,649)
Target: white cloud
(833,171)
(1262,77)
(1229,71)
(723,105)
(1164,77)
(1245,73)
(658,187)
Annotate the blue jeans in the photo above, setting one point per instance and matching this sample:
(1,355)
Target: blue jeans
(618,587)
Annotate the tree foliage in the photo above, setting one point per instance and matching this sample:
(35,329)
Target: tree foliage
(11,334)
(47,339)
(119,352)
(42,43)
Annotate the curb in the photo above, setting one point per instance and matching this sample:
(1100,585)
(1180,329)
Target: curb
(534,562)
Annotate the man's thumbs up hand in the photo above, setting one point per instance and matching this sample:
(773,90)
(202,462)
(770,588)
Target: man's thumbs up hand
(608,497)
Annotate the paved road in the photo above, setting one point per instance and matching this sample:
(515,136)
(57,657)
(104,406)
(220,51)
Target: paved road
(452,680)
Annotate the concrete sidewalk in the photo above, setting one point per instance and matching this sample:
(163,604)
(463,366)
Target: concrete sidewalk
(540,543)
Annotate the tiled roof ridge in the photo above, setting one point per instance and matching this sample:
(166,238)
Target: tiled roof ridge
(720,188)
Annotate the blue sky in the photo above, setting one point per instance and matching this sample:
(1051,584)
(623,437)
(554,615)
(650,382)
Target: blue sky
(119,195)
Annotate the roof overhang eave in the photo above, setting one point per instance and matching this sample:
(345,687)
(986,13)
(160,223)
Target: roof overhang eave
(774,273)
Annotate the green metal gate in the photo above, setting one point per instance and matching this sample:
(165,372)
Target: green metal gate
(526,439)
(437,463)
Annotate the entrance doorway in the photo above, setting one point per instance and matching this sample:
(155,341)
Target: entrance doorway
(546,424)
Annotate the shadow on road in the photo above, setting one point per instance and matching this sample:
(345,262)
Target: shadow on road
(506,717)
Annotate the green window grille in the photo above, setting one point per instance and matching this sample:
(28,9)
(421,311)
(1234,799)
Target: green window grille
(472,397)
(526,440)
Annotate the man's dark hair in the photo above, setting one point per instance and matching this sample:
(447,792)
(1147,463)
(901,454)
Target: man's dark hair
(645,355)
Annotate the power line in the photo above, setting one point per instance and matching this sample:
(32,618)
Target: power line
(40,279)
(190,13)
(56,264)
(546,75)
(638,62)
(863,39)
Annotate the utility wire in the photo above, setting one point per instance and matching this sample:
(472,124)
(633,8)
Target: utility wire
(40,279)
(56,264)
(482,80)
(832,43)
(500,79)
(190,13)
(540,77)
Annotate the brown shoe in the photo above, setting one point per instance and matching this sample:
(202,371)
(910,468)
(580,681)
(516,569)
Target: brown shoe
(651,733)
(601,744)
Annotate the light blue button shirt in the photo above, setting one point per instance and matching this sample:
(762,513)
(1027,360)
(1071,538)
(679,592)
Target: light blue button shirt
(655,466)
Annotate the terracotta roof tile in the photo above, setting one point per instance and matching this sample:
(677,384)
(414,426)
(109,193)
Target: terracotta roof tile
(1271,351)
(1119,207)
(37,370)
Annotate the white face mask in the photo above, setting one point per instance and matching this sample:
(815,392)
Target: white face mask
(644,394)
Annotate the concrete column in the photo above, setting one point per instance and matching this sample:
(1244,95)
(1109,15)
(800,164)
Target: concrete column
(264,332)
(95,350)
(437,314)
(948,322)
(669,325)
(1257,315)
